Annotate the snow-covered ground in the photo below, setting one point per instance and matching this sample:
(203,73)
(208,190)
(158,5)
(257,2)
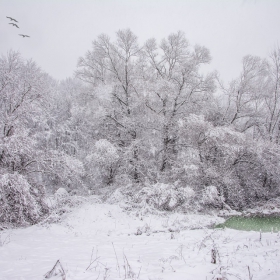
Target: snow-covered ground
(100,241)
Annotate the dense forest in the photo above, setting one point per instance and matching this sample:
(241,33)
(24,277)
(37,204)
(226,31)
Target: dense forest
(144,119)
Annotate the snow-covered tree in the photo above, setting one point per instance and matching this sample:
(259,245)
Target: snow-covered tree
(244,95)
(114,66)
(103,162)
(23,89)
(272,98)
(20,202)
(176,88)
(30,151)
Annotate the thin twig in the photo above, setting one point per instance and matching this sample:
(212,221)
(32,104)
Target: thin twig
(117,259)
(139,272)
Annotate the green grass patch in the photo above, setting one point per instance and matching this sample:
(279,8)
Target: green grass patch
(265,224)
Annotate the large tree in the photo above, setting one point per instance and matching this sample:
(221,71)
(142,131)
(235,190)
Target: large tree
(113,68)
(176,88)
(23,90)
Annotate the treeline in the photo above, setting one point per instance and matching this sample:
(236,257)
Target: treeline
(141,115)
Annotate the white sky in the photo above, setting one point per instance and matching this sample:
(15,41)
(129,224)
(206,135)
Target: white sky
(62,30)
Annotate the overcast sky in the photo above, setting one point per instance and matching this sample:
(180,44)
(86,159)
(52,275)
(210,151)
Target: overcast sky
(62,30)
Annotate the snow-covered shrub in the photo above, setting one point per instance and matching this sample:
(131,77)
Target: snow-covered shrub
(63,203)
(164,196)
(60,194)
(64,200)
(104,159)
(117,197)
(105,152)
(121,195)
(80,191)
(211,197)
(63,170)
(20,203)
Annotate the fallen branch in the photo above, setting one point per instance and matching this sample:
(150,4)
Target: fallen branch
(57,270)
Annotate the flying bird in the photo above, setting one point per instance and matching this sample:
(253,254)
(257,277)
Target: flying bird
(12,19)
(14,25)
(23,35)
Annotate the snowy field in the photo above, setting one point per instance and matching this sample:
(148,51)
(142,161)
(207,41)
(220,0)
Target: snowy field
(100,241)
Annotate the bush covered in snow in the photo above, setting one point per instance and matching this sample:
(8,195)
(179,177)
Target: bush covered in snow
(167,197)
(61,194)
(164,196)
(20,202)
(102,162)
(63,203)
(159,196)
(211,197)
